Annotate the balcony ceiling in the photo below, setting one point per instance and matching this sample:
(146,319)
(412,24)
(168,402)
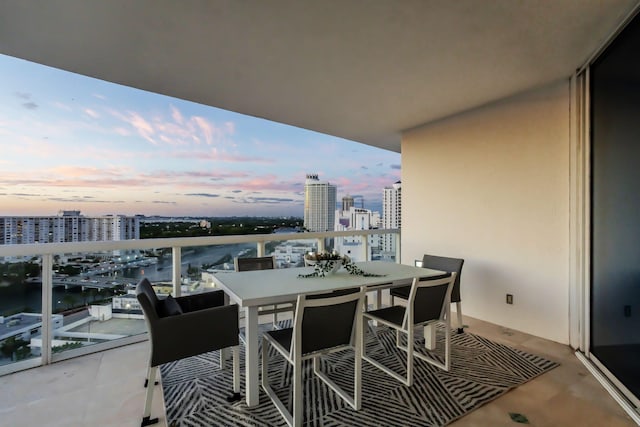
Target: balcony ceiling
(359,69)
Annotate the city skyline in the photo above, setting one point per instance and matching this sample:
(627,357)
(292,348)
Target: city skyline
(71,142)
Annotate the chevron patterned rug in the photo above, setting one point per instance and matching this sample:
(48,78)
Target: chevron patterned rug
(481,370)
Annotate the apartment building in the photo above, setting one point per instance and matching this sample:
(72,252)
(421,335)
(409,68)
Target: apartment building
(319,204)
(391,215)
(67,226)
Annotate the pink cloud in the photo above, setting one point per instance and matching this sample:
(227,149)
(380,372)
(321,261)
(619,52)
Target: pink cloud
(205,127)
(177,115)
(177,130)
(143,127)
(215,154)
(91,113)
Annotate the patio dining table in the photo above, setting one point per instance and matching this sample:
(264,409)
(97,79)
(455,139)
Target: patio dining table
(253,289)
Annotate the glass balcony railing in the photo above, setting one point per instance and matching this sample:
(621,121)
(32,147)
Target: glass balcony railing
(61,300)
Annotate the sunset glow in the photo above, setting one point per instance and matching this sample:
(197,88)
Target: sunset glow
(73,142)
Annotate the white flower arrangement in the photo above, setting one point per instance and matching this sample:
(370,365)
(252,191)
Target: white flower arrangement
(325,263)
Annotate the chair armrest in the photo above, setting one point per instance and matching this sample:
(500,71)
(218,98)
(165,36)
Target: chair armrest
(190,334)
(190,303)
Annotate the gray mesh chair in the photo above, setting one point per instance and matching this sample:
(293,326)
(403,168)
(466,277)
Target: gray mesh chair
(429,302)
(323,324)
(263,263)
(187,326)
(450,265)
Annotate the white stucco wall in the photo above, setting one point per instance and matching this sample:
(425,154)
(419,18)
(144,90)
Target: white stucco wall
(492,186)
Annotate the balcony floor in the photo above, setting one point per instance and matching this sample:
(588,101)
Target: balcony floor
(105,389)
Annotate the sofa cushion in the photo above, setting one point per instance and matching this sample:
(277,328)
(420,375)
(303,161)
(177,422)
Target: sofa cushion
(168,307)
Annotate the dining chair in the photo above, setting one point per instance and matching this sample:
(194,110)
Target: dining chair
(429,303)
(323,323)
(450,265)
(263,263)
(187,326)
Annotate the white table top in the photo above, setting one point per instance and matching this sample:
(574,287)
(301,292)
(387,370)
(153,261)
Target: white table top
(266,287)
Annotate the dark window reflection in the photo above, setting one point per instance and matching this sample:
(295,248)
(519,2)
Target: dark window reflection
(615,287)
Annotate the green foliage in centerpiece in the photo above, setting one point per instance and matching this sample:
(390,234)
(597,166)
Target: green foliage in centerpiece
(325,263)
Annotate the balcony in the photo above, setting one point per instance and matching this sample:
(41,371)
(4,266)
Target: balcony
(105,389)
(101,383)
(484,101)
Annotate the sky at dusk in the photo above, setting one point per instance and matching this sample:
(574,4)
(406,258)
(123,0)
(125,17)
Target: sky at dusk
(71,142)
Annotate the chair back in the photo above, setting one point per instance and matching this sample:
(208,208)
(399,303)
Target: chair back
(327,320)
(148,299)
(430,298)
(450,265)
(254,263)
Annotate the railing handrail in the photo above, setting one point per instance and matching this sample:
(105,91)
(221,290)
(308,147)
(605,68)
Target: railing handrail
(111,245)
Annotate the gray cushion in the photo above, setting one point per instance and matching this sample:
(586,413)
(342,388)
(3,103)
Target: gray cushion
(168,307)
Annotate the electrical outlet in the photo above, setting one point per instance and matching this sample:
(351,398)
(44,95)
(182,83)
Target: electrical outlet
(627,311)
(509,299)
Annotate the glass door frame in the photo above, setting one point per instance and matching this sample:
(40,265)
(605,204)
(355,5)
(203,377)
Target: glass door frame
(580,234)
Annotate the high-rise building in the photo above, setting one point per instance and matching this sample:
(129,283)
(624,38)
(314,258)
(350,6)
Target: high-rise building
(319,204)
(347,202)
(68,226)
(391,215)
(354,218)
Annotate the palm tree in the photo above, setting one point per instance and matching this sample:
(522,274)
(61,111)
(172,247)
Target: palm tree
(11,345)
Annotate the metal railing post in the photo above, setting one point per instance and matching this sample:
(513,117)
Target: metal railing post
(176,253)
(365,248)
(261,248)
(47,307)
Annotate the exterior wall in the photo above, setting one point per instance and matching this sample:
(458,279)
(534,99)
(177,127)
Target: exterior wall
(353,246)
(71,227)
(492,186)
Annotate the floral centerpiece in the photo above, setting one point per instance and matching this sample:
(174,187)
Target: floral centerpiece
(326,263)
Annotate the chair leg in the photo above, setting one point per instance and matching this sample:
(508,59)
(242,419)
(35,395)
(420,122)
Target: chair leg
(447,347)
(275,317)
(298,413)
(357,386)
(459,313)
(223,358)
(280,406)
(146,382)
(146,415)
(430,336)
(236,369)
(410,345)
(235,396)
(265,364)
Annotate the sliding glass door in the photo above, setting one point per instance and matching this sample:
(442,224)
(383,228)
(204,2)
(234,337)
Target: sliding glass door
(615,208)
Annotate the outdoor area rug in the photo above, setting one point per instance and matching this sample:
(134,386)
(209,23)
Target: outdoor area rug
(481,370)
